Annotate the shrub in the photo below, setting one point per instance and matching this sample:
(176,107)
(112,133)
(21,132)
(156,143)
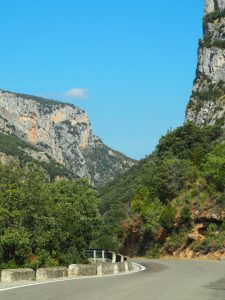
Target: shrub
(154,251)
(209,42)
(214,240)
(167,218)
(214,170)
(213,16)
(185,214)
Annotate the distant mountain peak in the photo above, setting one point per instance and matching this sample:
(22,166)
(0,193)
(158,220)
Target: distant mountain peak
(63,131)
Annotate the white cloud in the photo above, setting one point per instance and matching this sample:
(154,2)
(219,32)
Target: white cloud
(76,93)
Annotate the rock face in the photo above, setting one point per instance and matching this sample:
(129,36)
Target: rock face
(63,132)
(207,103)
(212,5)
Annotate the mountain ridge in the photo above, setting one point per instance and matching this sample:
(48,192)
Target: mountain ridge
(64,132)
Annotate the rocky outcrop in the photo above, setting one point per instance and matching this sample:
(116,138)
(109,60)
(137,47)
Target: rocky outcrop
(6,159)
(212,5)
(207,103)
(63,133)
(207,216)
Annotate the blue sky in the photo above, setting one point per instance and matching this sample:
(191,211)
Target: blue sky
(129,64)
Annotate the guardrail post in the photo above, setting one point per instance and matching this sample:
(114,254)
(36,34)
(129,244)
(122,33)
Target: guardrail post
(113,257)
(103,255)
(94,255)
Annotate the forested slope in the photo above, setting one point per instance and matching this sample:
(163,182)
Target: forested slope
(172,201)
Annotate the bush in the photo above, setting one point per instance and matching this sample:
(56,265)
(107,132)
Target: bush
(167,218)
(214,240)
(183,141)
(223,226)
(154,251)
(213,16)
(208,42)
(214,170)
(175,241)
(185,215)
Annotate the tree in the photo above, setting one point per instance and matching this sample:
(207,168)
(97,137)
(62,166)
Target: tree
(44,223)
(214,167)
(167,218)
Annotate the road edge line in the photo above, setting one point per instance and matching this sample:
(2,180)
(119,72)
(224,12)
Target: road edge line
(141,268)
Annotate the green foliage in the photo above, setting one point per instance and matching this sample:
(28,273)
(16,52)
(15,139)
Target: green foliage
(169,177)
(185,214)
(111,234)
(14,146)
(214,169)
(185,169)
(43,223)
(214,92)
(167,218)
(140,201)
(209,41)
(100,162)
(223,226)
(154,251)
(176,240)
(149,210)
(184,141)
(53,169)
(213,241)
(213,16)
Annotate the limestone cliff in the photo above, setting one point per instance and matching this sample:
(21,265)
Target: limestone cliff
(63,133)
(207,103)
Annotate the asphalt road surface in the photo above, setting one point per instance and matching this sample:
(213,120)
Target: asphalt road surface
(162,280)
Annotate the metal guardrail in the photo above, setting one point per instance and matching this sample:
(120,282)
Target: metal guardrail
(104,255)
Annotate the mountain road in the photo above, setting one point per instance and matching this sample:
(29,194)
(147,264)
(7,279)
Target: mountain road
(161,280)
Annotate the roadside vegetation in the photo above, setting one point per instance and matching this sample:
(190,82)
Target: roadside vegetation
(150,210)
(44,223)
(15,147)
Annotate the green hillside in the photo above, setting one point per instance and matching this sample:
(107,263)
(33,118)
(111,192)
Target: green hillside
(152,208)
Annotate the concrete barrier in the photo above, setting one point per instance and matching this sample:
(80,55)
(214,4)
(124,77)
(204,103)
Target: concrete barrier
(111,256)
(126,266)
(130,265)
(121,267)
(47,273)
(100,268)
(119,258)
(116,269)
(82,270)
(107,269)
(10,275)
